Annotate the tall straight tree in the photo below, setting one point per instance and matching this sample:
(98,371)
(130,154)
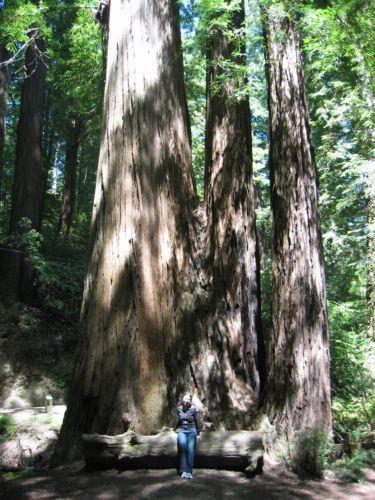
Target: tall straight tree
(298,357)
(137,297)
(4,83)
(229,194)
(26,195)
(74,131)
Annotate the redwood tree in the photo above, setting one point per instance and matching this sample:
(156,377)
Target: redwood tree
(26,196)
(231,233)
(137,299)
(152,324)
(26,193)
(298,388)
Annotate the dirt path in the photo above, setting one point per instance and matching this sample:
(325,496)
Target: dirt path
(74,483)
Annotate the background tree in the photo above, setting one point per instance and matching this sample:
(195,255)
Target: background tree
(340,69)
(229,192)
(298,384)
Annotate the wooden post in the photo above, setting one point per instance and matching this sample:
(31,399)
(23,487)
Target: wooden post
(48,403)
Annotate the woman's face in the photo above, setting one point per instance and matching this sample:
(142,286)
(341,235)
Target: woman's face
(186,400)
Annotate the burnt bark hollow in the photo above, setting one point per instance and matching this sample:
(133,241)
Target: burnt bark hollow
(298,387)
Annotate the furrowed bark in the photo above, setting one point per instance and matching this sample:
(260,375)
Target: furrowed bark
(137,305)
(26,193)
(236,343)
(26,196)
(298,388)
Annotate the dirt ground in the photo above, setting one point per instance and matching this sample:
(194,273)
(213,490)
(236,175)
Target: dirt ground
(73,482)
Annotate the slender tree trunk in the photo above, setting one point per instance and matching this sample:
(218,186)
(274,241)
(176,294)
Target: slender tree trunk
(70,175)
(231,233)
(47,151)
(298,357)
(371,255)
(137,307)
(4,83)
(82,175)
(55,168)
(26,196)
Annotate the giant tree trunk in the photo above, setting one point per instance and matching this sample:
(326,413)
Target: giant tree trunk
(233,258)
(137,304)
(26,196)
(4,83)
(148,307)
(298,357)
(70,175)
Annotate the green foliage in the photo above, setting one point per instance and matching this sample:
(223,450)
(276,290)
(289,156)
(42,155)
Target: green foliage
(60,279)
(195,76)
(8,428)
(336,44)
(23,474)
(310,452)
(355,415)
(77,75)
(19,18)
(351,469)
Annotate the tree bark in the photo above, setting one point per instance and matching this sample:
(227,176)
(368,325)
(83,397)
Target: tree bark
(70,175)
(229,450)
(298,388)
(137,307)
(26,195)
(4,84)
(153,324)
(232,249)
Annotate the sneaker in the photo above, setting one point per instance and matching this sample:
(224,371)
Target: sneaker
(184,475)
(189,475)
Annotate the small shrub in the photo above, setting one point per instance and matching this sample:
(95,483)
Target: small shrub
(8,428)
(310,452)
(22,474)
(47,420)
(351,469)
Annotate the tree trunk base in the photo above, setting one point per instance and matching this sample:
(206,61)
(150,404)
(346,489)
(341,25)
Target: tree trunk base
(229,450)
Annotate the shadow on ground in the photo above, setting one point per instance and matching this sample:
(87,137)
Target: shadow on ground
(74,482)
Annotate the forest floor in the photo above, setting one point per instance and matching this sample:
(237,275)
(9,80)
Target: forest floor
(37,431)
(73,482)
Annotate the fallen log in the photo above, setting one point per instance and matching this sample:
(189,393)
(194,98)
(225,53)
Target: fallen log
(230,450)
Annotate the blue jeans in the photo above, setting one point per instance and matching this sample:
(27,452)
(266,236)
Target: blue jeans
(186,441)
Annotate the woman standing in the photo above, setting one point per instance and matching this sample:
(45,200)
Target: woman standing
(188,430)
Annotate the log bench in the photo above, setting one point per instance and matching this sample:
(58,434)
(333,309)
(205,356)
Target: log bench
(230,450)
